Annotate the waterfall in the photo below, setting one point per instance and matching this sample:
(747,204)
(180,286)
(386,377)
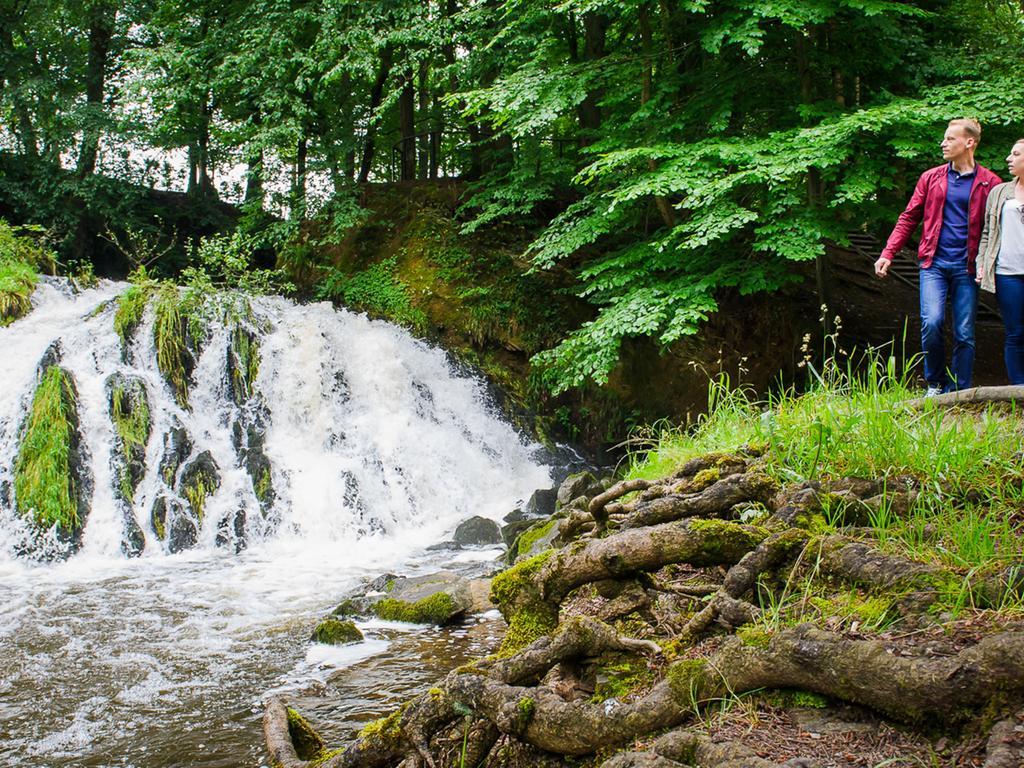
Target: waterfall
(352,429)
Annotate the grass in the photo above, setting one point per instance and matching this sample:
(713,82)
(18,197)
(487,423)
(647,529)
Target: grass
(43,483)
(966,460)
(376,290)
(131,305)
(169,331)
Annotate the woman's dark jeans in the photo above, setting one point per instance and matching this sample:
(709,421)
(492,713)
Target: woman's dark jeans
(1010,292)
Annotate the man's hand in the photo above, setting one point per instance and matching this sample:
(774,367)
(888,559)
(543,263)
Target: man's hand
(882,266)
(979,275)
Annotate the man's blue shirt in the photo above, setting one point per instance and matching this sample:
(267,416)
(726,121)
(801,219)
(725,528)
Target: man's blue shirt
(952,248)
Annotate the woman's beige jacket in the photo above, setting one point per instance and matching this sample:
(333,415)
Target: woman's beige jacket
(988,248)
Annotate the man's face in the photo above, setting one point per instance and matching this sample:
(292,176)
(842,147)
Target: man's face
(956,143)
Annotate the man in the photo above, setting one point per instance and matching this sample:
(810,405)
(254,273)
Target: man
(950,199)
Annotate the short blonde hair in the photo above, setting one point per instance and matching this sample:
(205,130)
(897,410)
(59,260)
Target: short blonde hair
(968,125)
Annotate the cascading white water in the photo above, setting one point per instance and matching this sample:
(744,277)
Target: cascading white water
(377,450)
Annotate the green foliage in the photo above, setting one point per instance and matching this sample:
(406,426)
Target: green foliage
(375,290)
(20,261)
(44,485)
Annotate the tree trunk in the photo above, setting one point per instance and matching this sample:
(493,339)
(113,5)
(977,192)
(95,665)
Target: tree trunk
(407,128)
(423,140)
(298,206)
(665,210)
(101,30)
(376,94)
(594,27)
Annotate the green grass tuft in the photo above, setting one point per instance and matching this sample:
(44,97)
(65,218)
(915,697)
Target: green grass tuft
(131,305)
(169,336)
(43,481)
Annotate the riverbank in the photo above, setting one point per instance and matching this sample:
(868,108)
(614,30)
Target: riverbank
(825,580)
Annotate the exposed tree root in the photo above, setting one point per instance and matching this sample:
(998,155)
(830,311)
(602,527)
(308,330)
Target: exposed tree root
(530,706)
(1007,394)
(1005,748)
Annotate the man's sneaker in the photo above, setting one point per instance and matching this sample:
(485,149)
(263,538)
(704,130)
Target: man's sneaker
(933,390)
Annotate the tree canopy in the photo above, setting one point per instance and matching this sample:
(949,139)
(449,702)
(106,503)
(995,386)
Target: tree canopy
(663,150)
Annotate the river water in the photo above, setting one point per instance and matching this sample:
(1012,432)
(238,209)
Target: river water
(378,448)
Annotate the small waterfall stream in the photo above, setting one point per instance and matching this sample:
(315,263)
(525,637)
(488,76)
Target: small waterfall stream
(356,449)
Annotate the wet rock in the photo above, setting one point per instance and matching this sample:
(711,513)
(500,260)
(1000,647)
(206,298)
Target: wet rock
(333,631)
(133,541)
(477,531)
(534,540)
(199,480)
(177,448)
(480,593)
(579,484)
(231,531)
(173,525)
(243,363)
(128,406)
(438,598)
(541,503)
(360,601)
(249,436)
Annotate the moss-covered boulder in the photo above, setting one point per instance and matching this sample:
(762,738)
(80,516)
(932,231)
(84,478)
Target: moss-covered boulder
(249,437)
(199,479)
(173,524)
(128,405)
(177,448)
(438,598)
(173,341)
(243,363)
(52,482)
(332,631)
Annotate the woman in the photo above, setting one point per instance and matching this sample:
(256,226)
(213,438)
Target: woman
(1001,258)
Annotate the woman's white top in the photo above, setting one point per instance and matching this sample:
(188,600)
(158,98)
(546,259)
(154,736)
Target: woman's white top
(1010,260)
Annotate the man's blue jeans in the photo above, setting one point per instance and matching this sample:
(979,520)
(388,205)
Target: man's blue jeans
(1010,292)
(939,282)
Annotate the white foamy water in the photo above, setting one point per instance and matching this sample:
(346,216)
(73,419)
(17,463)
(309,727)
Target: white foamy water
(378,450)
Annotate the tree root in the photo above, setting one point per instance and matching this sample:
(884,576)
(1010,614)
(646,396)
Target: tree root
(1005,748)
(617,491)
(1007,394)
(714,501)
(740,579)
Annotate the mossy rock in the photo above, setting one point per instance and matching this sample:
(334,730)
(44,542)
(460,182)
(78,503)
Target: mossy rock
(52,482)
(177,448)
(199,480)
(333,631)
(243,364)
(438,598)
(576,485)
(128,405)
(534,540)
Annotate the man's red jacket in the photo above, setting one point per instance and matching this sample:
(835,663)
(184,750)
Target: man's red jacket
(927,203)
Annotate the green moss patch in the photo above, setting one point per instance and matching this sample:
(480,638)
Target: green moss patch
(17,282)
(435,609)
(45,486)
(527,614)
(336,632)
(243,363)
(307,742)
